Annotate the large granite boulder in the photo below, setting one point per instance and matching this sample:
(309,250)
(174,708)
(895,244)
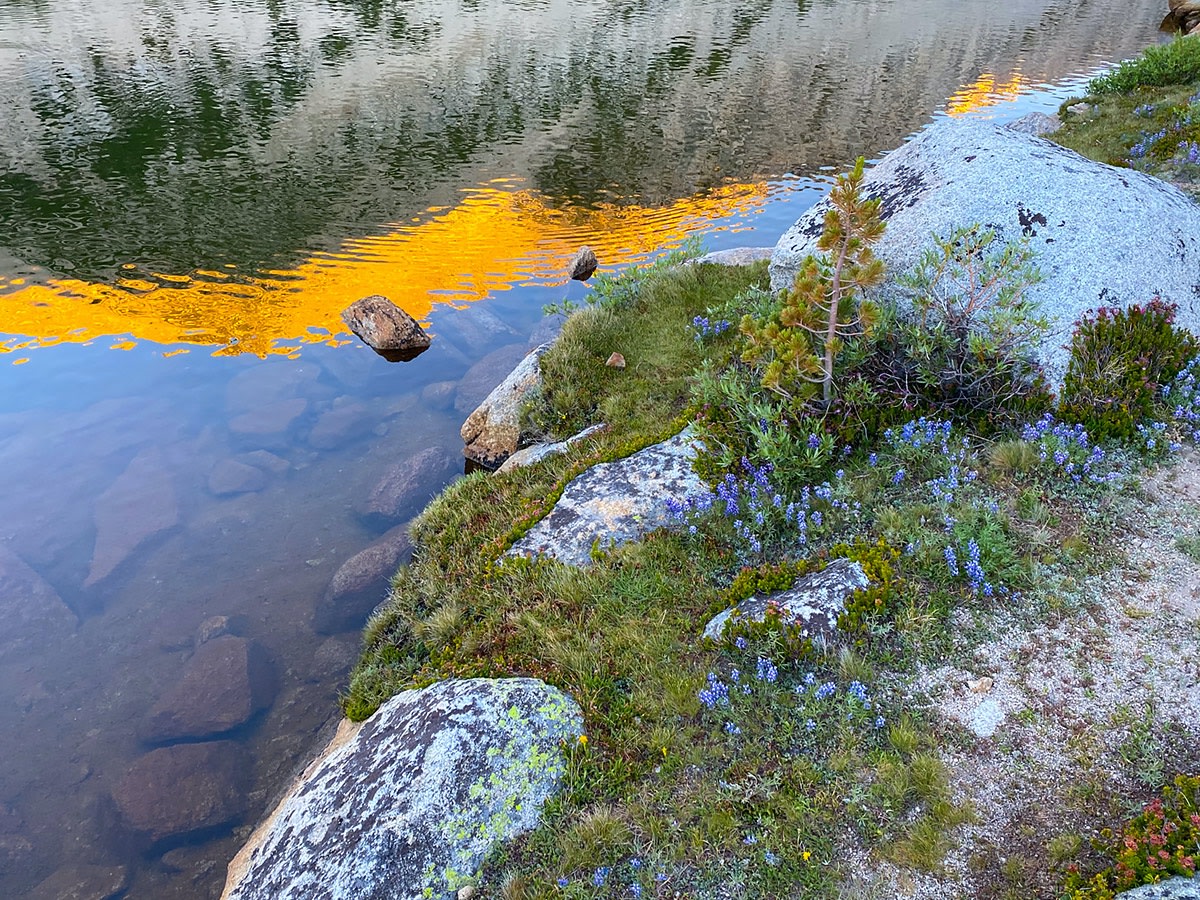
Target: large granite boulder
(227,680)
(139,506)
(1104,236)
(613,503)
(408,484)
(1177,888)
(408,806)
(386,328)
(813,602)
(361,583)
(492,432)
(185,788)
(31,610)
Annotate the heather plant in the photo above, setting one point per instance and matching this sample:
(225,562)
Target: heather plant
(1121,359)
(799,348)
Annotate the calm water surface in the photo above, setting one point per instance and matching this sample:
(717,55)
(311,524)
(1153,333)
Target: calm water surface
(189,195)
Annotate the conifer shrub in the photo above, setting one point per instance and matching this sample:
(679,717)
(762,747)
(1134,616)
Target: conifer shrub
(1120,360)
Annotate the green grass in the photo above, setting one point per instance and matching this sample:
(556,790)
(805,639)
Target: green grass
(1166,65)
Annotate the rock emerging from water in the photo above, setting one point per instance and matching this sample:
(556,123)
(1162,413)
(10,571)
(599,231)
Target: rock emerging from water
(582,265)
(613,503)
(227,680)
(1102,236)
(814,602)
(386,328)
(408,806)
(492,433)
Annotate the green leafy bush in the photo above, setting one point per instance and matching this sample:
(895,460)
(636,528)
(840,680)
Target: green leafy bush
(1163,840)
(1120,359)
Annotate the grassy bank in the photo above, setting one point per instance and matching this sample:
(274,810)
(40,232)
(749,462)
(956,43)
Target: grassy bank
(984,510)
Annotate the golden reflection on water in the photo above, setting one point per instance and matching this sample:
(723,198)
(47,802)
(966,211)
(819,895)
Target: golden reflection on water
(498,237)
(986,91)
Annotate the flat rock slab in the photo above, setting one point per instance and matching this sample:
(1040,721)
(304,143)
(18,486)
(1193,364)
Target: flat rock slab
(814,601)
(408,807)
(31,610)
(227,680)
(1103,236)
(613,503)
(493,431)
(140,505)
(1177,888)
(527,456)
(175,791)
(361,583)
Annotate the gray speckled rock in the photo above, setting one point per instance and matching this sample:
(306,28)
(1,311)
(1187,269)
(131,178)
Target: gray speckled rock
(1035,123)
(736,256)
(612,503)
(815,601)
(492,432)
(536,453)
(408,807)
(1103,236)
(1178,888)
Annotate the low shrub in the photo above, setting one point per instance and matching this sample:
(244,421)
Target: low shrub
(1168,64)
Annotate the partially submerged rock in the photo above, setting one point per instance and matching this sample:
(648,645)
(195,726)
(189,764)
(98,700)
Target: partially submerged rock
(407,806)
(175,791)
(613,503)
(227,680)
(527,456)
(582,265)
(361,582)
(492,432)
(813,602)
(139,506)
(386,328)
(1103,236)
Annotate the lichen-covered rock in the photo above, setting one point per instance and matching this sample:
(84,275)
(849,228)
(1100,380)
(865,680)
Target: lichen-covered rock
(227,680)
(1103,236)
(408,807)
(814,602)
(360,583)
(1177,888)
(386,328)
(527,456)
(613,503)
(492,432)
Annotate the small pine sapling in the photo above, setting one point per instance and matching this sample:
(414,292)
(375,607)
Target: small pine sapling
(825,307)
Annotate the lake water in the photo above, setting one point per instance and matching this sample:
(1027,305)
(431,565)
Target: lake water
(191,192)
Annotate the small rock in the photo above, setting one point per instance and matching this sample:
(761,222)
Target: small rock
(527,456)
(232,477)
(1035,123)
(361,583)
(582,265)
(492,432)
(1080,109)
(386,328)
(82,883)
(737,256)
(218,626)
(408,485)
(438,394)
(466,892)
(265,460)
(227,680)
(139,506)
(986,718)
(980,685)
(616,361)
(347,421)
(174,791)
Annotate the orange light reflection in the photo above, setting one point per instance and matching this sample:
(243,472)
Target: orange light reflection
(984,92)
(495,239)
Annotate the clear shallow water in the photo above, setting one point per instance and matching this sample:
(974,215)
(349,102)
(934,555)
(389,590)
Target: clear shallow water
(204,187)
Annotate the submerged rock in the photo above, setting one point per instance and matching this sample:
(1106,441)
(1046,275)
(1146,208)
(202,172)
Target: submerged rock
(227,680)
(344,422)
(814,602)
(175,791)
(1103,236)
(408,484)
(386,328)
(361,583)
(140,505)
(407,806)
(82,883)
(232,477)
(31,610)
(613,503)
(484,375)
(492,432)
